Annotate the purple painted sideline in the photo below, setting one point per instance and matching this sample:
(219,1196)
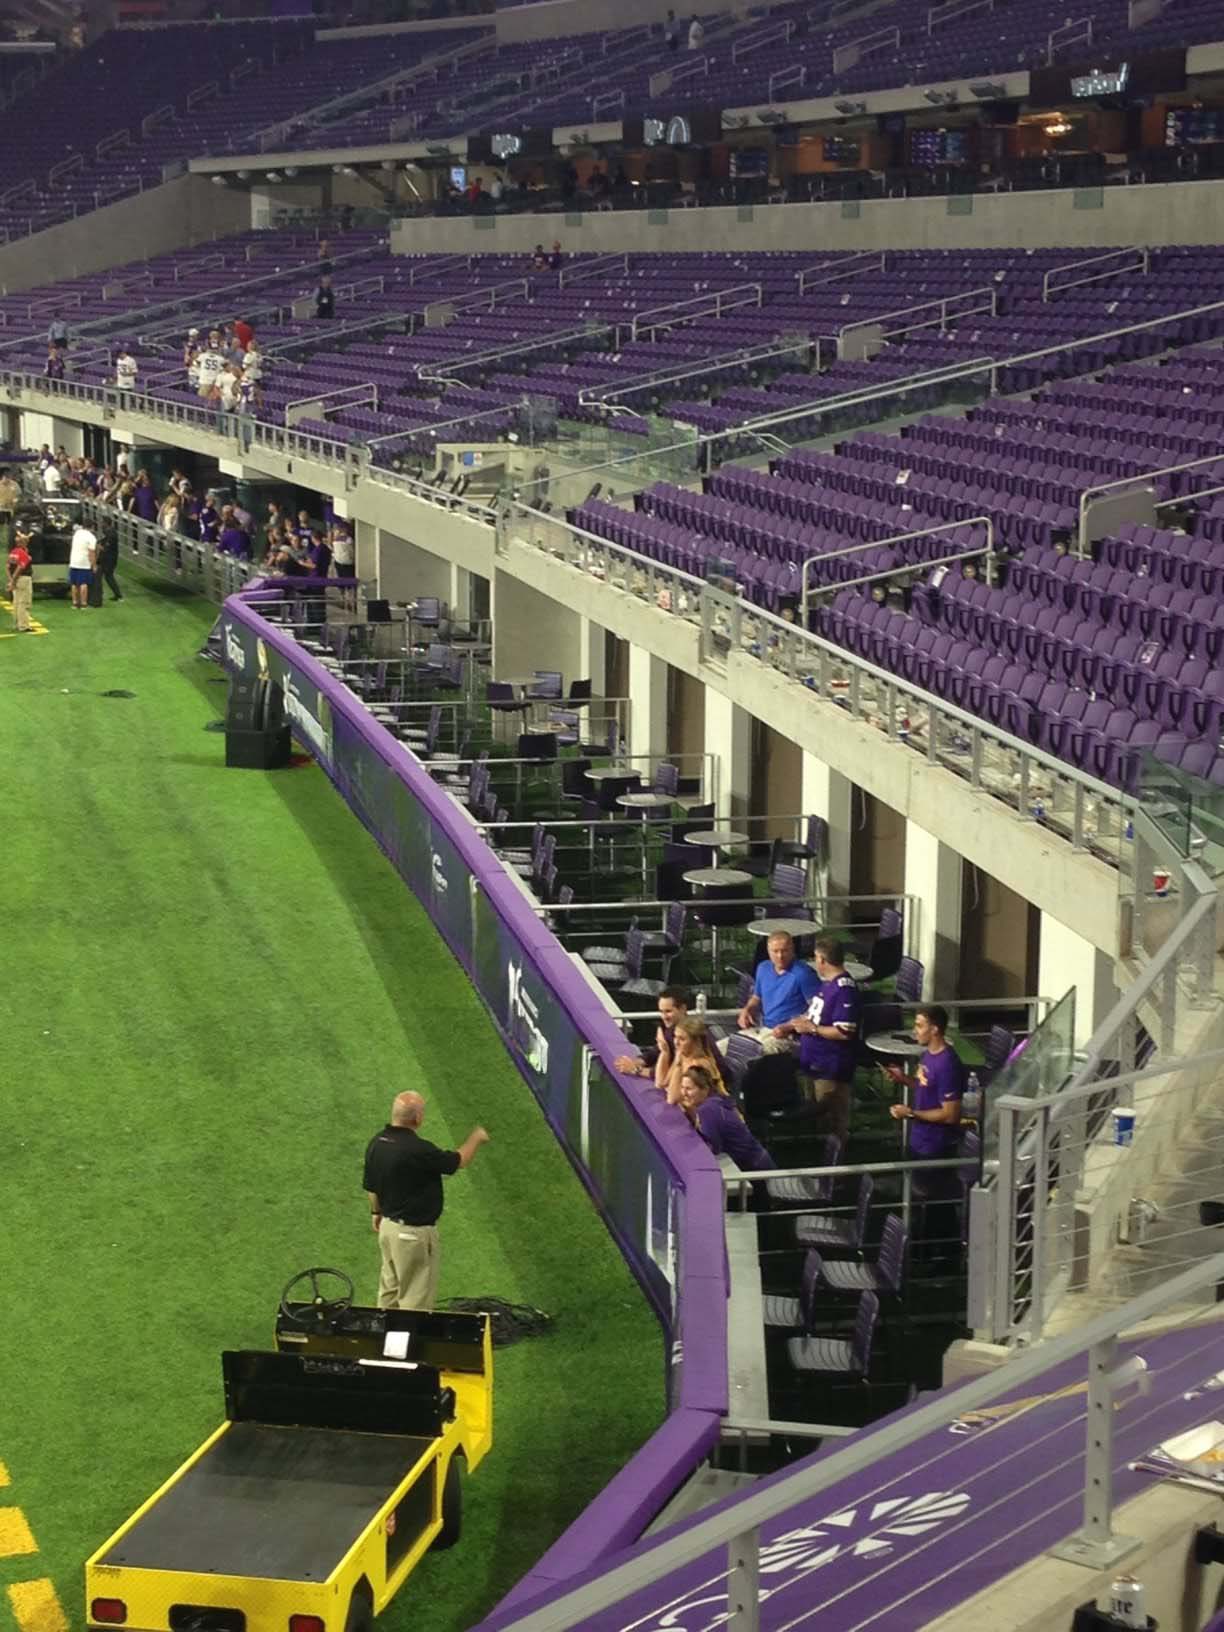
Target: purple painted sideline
(617,1517)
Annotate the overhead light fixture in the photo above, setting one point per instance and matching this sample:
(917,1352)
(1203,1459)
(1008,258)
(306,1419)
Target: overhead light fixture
(505,144)
(771,116)
(243,175)
(291,169)
(940,99)
(1058,126)
(987,91)
(438,150)
(217,181)
(850,107)
(273,175)
(734,121)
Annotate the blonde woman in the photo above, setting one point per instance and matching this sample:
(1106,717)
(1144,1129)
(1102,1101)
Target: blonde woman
(717,1119)
(691,1044)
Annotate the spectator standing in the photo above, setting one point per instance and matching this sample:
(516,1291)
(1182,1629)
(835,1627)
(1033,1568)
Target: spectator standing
(937,1088)
(144,499)
(234,539)
(82,559)
(52,480)
(54,369)
(57,334)
(210,521)
(126,370)
(674,1003)
(325,297)
(691,1045)
(21,581)
(403,1176)
(781,992)
(108,560)
(344,563)
(717,1119)
(497,189)
(671,32)
(556,258)
(209,366)
(696,34)
(244,334)
(168,514)
(539,259)
(252,372)
(828,1036)
(10,498)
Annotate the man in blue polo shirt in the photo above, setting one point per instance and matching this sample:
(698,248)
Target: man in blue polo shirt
(828,1036)
(782,990)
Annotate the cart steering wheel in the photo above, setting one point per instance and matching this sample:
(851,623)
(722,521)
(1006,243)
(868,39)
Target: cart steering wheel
(322,1313)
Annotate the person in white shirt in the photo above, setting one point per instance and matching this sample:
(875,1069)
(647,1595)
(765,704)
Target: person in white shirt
(343,559)
(82,559)
(210,365)
(51,479)
(126,370)
(696,34)
(227,388)
(252,373)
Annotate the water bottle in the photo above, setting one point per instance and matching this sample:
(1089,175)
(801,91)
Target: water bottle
(973,1095)
(701,1002)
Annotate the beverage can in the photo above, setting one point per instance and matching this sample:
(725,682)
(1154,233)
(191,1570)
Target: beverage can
(1127,1601)
(1124,1125)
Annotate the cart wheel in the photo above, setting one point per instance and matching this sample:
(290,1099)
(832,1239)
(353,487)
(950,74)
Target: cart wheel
(452,1506)
(360,1615)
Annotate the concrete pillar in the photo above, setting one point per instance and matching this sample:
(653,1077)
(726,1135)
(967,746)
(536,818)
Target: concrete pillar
(460,597)
(1067,959)
(934,874)
(826,792)
(367,552)
(592,652)
(531,632)
(648,706)
(728,738)
(405,570)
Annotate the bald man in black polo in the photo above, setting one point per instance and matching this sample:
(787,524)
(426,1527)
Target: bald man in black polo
(403,1182)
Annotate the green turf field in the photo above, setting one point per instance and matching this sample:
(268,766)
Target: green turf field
(214,983)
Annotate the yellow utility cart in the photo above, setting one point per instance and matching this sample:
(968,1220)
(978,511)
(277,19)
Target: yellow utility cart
(338,1465)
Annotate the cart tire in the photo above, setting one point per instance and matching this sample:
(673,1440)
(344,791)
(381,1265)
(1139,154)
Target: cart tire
(360,1615)
(452,1506)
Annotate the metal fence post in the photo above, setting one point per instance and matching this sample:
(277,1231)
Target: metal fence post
(1007,1110)
(1094,1544)
(744,1582)
(1039,1215)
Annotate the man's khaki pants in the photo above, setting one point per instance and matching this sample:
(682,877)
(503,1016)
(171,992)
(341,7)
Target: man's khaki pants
(23,599)
(409,1278)
(834,1101)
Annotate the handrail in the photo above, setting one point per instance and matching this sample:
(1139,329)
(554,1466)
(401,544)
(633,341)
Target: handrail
(783,78)
(159,116)
(710,365)
(951,9)
(367,392)
(1145,261)
(202,93)
(436,266)
(445,370)
(120,138)
(1054,44)
(836,270)
(436,425)
(845,56)
(737,1524)
(783,29)
(576,271)
(1144,476)
(705,304)
(942,301)
(884,544)
(491,292)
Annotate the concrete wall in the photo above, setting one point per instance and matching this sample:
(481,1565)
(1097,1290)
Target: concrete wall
(550,18)
(189,210)
(1190,212)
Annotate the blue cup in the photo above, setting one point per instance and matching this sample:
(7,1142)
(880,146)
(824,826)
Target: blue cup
(1124,1125)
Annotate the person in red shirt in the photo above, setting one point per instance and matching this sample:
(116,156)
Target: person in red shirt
(21,582)
(243,333)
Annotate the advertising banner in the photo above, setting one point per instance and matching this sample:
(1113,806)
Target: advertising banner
(449,896)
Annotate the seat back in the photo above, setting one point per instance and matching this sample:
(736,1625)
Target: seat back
(809,1282)
(673,923)
(998,1046)
(910,976)
(863,1208)
(580,691)
(633,952)
(666,779)
(817,839)
(787,882)
(865,1319)
(547,683)
(890,1265)
(741,1053)
(890,923)
(565,895)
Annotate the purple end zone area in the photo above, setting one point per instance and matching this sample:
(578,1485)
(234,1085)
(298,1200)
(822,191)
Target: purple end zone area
(894,1546)
(655,1183)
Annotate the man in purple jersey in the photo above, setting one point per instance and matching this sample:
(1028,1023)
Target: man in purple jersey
(934,1111)
(828,1035)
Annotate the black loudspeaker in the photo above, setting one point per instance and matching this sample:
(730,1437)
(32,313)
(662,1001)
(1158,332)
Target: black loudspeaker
(257,750)
(253,705)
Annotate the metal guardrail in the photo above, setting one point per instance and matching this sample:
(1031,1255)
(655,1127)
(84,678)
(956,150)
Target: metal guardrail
(713,304)
(734,1528)
(1143,266)
(988,550)
(845,266)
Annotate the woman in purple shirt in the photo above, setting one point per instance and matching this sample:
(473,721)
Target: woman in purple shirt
(714,1114)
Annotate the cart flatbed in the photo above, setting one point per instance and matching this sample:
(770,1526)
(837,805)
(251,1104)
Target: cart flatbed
(326,1486)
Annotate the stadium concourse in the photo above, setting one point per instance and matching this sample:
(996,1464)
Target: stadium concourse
(730,701)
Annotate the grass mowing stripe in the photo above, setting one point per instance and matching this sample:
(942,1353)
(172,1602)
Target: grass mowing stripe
(217,983)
